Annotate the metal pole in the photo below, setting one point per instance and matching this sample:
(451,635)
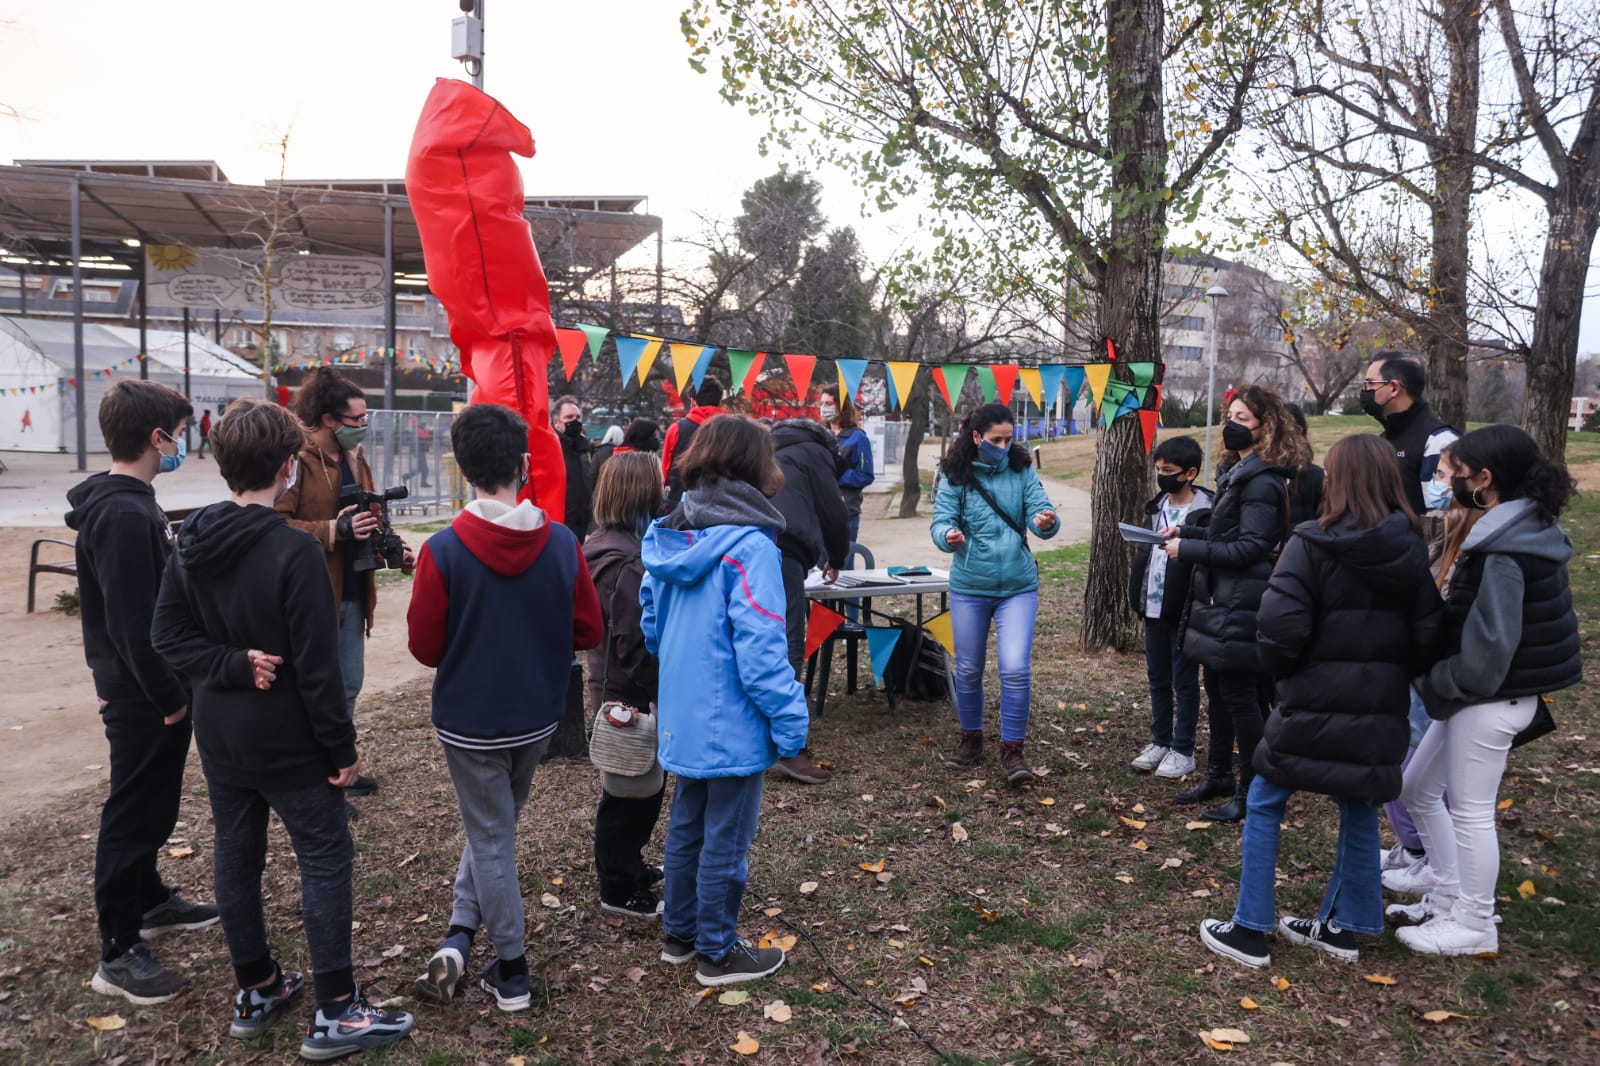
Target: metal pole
(658,289)
(78,401)
(388,304)
(1211,388)
(186,370)
(22,293)
(144,315)
(477,79)
(216,324)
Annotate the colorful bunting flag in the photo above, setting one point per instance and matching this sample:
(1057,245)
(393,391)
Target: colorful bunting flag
(1147,423)
(880,646)
(744,366)
(702,363)
(951,378)
(570,343)
(820,626)
(850,371)
(1097,374)
(1075,378)
(903,378)
(1034,383)
(1005,380)
(986,383)
(629,351)
(597,337)
(683,357)
(800,368)
(652,348)
(938,627)
(1143,373)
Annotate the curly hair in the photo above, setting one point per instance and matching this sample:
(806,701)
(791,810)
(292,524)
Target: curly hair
(1279,440)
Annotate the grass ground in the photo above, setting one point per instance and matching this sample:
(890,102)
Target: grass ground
(1059,927)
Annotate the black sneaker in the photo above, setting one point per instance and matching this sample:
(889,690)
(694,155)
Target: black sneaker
(254,1007)
(364,786)
(745,962)
(359,1026)
(1247,946)
(138,977)
(653,876)
(176,915)
(1327,938)
(676,950)
(642,904)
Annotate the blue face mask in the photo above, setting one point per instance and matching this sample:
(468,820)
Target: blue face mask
(1436,494)
(992,454)
(169,463)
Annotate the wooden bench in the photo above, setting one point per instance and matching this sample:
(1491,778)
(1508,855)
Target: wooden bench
(69,567)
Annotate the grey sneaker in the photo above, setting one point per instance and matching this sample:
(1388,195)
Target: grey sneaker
(138,977)
(676,950)
(449,962)
(745,962)
(254,1007)
(175,915)
(358,1027)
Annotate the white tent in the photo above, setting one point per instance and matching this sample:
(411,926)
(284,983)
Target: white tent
(37,405)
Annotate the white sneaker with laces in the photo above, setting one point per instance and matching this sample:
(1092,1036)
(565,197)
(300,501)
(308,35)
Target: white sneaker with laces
(1175,765)
(1446,936)
(1414,880)
(1416,913)
(1150,758)
(1396,858)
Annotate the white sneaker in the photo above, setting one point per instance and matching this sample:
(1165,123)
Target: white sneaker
(1446,936)
(1175,765)
(1150,758)
(1396,858)
(1417,913)
(1414,880)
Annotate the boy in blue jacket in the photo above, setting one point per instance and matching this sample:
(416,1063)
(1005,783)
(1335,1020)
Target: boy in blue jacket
(729,708)
(502,599)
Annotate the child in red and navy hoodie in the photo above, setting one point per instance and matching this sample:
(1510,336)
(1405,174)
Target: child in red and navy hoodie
(502,600)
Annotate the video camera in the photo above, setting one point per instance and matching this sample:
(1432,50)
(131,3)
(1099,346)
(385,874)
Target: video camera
(384,548)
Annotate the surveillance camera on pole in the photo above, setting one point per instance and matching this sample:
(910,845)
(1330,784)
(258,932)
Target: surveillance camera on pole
(466,39)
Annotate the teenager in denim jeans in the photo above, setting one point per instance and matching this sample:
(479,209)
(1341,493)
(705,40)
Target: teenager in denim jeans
(989,498)
(1350,615)
(730,707)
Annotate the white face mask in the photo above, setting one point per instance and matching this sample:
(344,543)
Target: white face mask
(294,475)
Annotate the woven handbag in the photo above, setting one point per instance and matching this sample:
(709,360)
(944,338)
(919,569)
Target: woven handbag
(622,740)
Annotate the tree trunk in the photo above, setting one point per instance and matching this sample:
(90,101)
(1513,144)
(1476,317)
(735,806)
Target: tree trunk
(916,411)
(1446,346)
(1553,355)
(1129,306)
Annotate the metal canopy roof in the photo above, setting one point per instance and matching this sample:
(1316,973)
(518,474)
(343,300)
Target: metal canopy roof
(36,202)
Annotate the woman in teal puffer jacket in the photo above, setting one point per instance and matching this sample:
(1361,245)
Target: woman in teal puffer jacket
(989,499)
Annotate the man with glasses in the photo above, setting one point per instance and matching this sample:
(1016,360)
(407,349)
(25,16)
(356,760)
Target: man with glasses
(1392,394)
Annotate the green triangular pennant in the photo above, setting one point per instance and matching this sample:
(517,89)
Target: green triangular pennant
(739,362)
(1143,373)
(991,391)
(597,337)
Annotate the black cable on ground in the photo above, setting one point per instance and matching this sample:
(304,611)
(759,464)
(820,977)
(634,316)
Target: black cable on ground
(822,956)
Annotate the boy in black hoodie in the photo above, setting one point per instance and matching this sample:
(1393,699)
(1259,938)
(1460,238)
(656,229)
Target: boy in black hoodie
(122,547)
(247,612)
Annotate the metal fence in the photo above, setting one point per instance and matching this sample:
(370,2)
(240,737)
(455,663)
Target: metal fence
(412,448)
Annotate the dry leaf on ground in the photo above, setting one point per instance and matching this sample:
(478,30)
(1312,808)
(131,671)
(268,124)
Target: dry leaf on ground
(777,1011)
(1196,826)
(1230,1036)
(1133,822)
(1526,890)
(1378,979)
(180,853)
(550,901)
(1437,1016)
(807,887)
(734,998)
(958,832)
(1249,1004)
(107,1022)
(746,1044)
(1281,984)
(873,867)
(1505,804)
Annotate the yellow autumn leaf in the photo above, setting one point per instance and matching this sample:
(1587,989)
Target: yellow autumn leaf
(1197,826)
(1281,984)
(873,867)
(777,1011)
(1139,845)
(1213,1044)
(180,853)
(1124,878)
(1378,979)
(1249,1004)
(1437,1016)
(1505,804)
(1132,823)
(1230,1036)
(517,1060)
(924,960)
(819,986)
(787,943)
(1048,801)
(107,1022)
(1526,890)
(746,1044)
(735,998)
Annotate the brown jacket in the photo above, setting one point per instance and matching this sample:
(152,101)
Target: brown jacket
(313,505)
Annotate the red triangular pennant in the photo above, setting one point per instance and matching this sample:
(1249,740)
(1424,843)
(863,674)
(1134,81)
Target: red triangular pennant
(1147,423)
(800,368)
(572,343)
(1111,349)
(944,389)
(1005,379)
(820,626)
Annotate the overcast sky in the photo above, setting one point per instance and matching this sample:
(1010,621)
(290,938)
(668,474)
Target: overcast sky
(603,84)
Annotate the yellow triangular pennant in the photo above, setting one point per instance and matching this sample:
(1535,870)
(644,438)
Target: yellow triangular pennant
(1029,376)
(1096,374)
(647,360)
(938,627)
(905,377)
(683,358)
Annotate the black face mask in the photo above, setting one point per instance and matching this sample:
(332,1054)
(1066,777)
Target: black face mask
(1464,496)
(573,429)
(1170,483)
(1370,405)
(1236,436)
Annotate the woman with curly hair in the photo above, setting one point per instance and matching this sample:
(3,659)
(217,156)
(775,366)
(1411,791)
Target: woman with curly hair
(1233,556)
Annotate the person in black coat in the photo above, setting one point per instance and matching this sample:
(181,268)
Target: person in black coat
(816,532)
(1233,556)
(627,495)
(577,450)
(1350,616)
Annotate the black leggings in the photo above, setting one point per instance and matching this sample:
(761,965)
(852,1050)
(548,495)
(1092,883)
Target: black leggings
(1235,714)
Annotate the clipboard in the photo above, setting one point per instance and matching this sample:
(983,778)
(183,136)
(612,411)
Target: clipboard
(1140,534)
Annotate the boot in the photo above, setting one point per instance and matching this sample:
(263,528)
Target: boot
(803,769)
(1234,809)
(968,752)
(1015,764)
(1210,787)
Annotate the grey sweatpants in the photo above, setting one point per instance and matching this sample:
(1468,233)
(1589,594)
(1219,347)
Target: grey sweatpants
(491,787)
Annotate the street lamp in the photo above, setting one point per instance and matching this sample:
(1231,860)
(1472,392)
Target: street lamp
(1212,294)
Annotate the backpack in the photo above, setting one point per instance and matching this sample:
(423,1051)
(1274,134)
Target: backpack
(917,668)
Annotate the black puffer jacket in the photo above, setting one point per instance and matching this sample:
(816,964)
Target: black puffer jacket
(1349,618)
(816,523)
(1232,557)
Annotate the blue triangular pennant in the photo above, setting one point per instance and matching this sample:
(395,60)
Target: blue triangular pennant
(894,397)
(702,363)
(1075,380)
(880,645)
(629,351)
(1050,384)
(850,370)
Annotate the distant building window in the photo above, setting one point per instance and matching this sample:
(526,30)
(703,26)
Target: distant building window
(1191,322)
(240,337)
(1183,351)
(1180,292)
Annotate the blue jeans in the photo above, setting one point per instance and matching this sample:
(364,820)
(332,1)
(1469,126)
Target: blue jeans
(352,649)
(1171,674)
(709,834)
(1354,899)
(1013,626)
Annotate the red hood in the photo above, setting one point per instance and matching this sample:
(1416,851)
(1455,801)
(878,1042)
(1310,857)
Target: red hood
(701,415)
(505,549)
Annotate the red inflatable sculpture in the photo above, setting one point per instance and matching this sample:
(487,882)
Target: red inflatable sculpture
(466,193)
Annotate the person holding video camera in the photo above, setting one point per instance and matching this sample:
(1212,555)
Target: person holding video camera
(333,412)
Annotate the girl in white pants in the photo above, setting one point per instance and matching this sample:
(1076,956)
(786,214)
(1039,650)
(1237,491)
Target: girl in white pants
(1511,636)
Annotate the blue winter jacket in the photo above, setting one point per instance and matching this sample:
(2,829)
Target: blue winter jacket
(994,561)
(855,449)
(713,614)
